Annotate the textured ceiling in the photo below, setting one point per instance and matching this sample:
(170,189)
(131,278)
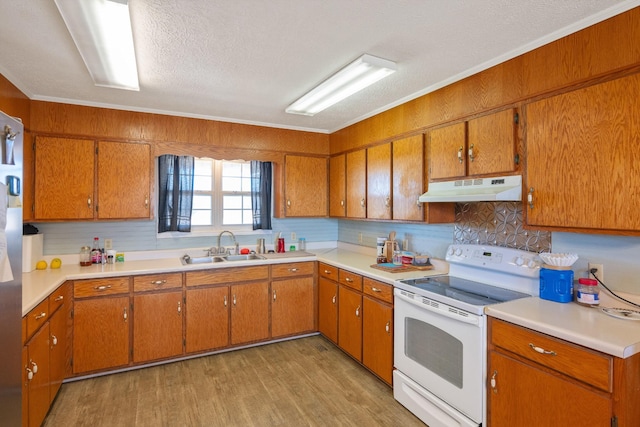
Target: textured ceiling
(246,60)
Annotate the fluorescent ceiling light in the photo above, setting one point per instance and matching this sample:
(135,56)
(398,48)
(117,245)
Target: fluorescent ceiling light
(101,30)
(361,73)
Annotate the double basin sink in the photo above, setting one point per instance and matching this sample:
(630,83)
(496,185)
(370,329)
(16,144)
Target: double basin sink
(187,260)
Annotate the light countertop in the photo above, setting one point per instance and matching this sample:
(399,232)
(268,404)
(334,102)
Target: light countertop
(39,284)
(586,326)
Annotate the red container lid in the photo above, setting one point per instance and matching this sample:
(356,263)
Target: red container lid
(588,282)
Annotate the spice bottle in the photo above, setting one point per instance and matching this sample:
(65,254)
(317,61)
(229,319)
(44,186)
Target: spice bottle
(588,292)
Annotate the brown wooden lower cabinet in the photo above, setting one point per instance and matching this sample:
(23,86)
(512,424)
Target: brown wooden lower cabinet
(350,321)
(292,299)
(38,368)
(328,309)
(157,326)
(207,318)
(58,351)
(377,337)
(249,312)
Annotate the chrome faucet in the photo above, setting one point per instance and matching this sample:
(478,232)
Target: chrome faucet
(221,249)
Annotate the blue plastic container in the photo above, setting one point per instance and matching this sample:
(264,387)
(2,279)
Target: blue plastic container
(556,285)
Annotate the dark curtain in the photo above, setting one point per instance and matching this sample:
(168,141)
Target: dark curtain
(175,192)
(261,194)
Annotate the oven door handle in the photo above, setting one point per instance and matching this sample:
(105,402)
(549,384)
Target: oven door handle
(471,319)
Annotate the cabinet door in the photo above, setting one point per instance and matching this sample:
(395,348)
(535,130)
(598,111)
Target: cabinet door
(38,363)
(356,171)
(58,350)
(249,312)
(337,186)
(124,180)
(157,326)
(207,318)
(328,309)
(491,147)
(528,396)
(292,306)
(447,152)
(306,186)
(408,170)
(64,178)
(582,158)
(100,334)
(350,322)
(379,182)
(377,338)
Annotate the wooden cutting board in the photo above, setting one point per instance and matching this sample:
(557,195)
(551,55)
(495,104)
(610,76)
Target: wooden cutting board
(393,268)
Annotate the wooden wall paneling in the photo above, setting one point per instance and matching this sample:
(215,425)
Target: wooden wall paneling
(337,186)
(28,177)
(14,103)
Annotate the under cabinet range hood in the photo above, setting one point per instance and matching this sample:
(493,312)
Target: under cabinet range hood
(505,188)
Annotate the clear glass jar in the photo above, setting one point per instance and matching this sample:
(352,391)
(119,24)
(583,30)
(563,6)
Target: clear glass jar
(302,244)
(85,256)
(397,257)
(588,292)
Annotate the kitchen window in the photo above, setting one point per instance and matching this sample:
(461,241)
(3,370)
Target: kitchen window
(222,195)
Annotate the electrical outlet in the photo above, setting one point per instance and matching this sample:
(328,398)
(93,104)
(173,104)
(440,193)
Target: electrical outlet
(293,237)
(600,272)
(360,238)
(108,244)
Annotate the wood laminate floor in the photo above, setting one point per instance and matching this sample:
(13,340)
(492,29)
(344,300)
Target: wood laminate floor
(302,382)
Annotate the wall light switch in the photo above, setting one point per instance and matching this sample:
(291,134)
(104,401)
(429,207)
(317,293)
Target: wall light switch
(108,244)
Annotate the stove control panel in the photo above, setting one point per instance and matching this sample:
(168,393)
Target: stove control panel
(495,258)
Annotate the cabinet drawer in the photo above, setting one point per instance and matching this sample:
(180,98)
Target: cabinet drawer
(98,287)
(328,271)
(292,269)
(154,282)
(379,290)
(578,362)
(37,317)
(59,296)
(227,275)
(350,279)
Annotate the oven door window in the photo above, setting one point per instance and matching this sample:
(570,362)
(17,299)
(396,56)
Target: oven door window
(435,349)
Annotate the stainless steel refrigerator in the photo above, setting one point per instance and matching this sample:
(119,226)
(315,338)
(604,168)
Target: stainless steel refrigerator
(11,131)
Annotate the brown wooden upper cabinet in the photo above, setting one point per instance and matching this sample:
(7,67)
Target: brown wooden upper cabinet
(480,146)
(67,187)
(337,186)
(379,203)
(408,173)
(582,158)
(306,186)
(356,184)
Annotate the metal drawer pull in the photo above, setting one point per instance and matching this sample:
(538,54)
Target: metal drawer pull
(29,374)
(327,272)
(124,314)
(542,350)
(493,381)
(40,316)
(234,299)
(102,287)
(59,298)
(348,279)
(158,282)
(34,367)
(358,311)
(376,290)
(225,300)
(293,270)
(387,327)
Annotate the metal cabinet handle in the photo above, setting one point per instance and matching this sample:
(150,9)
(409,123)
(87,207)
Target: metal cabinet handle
(274,295)
(542,350)
(348,279)
(124,314)
(387,202)
(419,203)
(40,315)
(288,203)
(54,340)
(234,299)
(89,202)
(225,300)
(460,154)
(102,287)
(358,311)
(29,374)
(146,201)
(374,289)
(327,272)
(293,270)
(530,198)
(179,308)
(333,300)
(471,155)
(342,203)
(493,382)
(158,282)
(387,327)
(59,298)
(362,202)
(34,367)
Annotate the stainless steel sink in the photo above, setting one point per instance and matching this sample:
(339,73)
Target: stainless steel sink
(186,260)
(247,257)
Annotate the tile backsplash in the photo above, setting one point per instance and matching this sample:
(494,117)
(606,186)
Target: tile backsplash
(497,224)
